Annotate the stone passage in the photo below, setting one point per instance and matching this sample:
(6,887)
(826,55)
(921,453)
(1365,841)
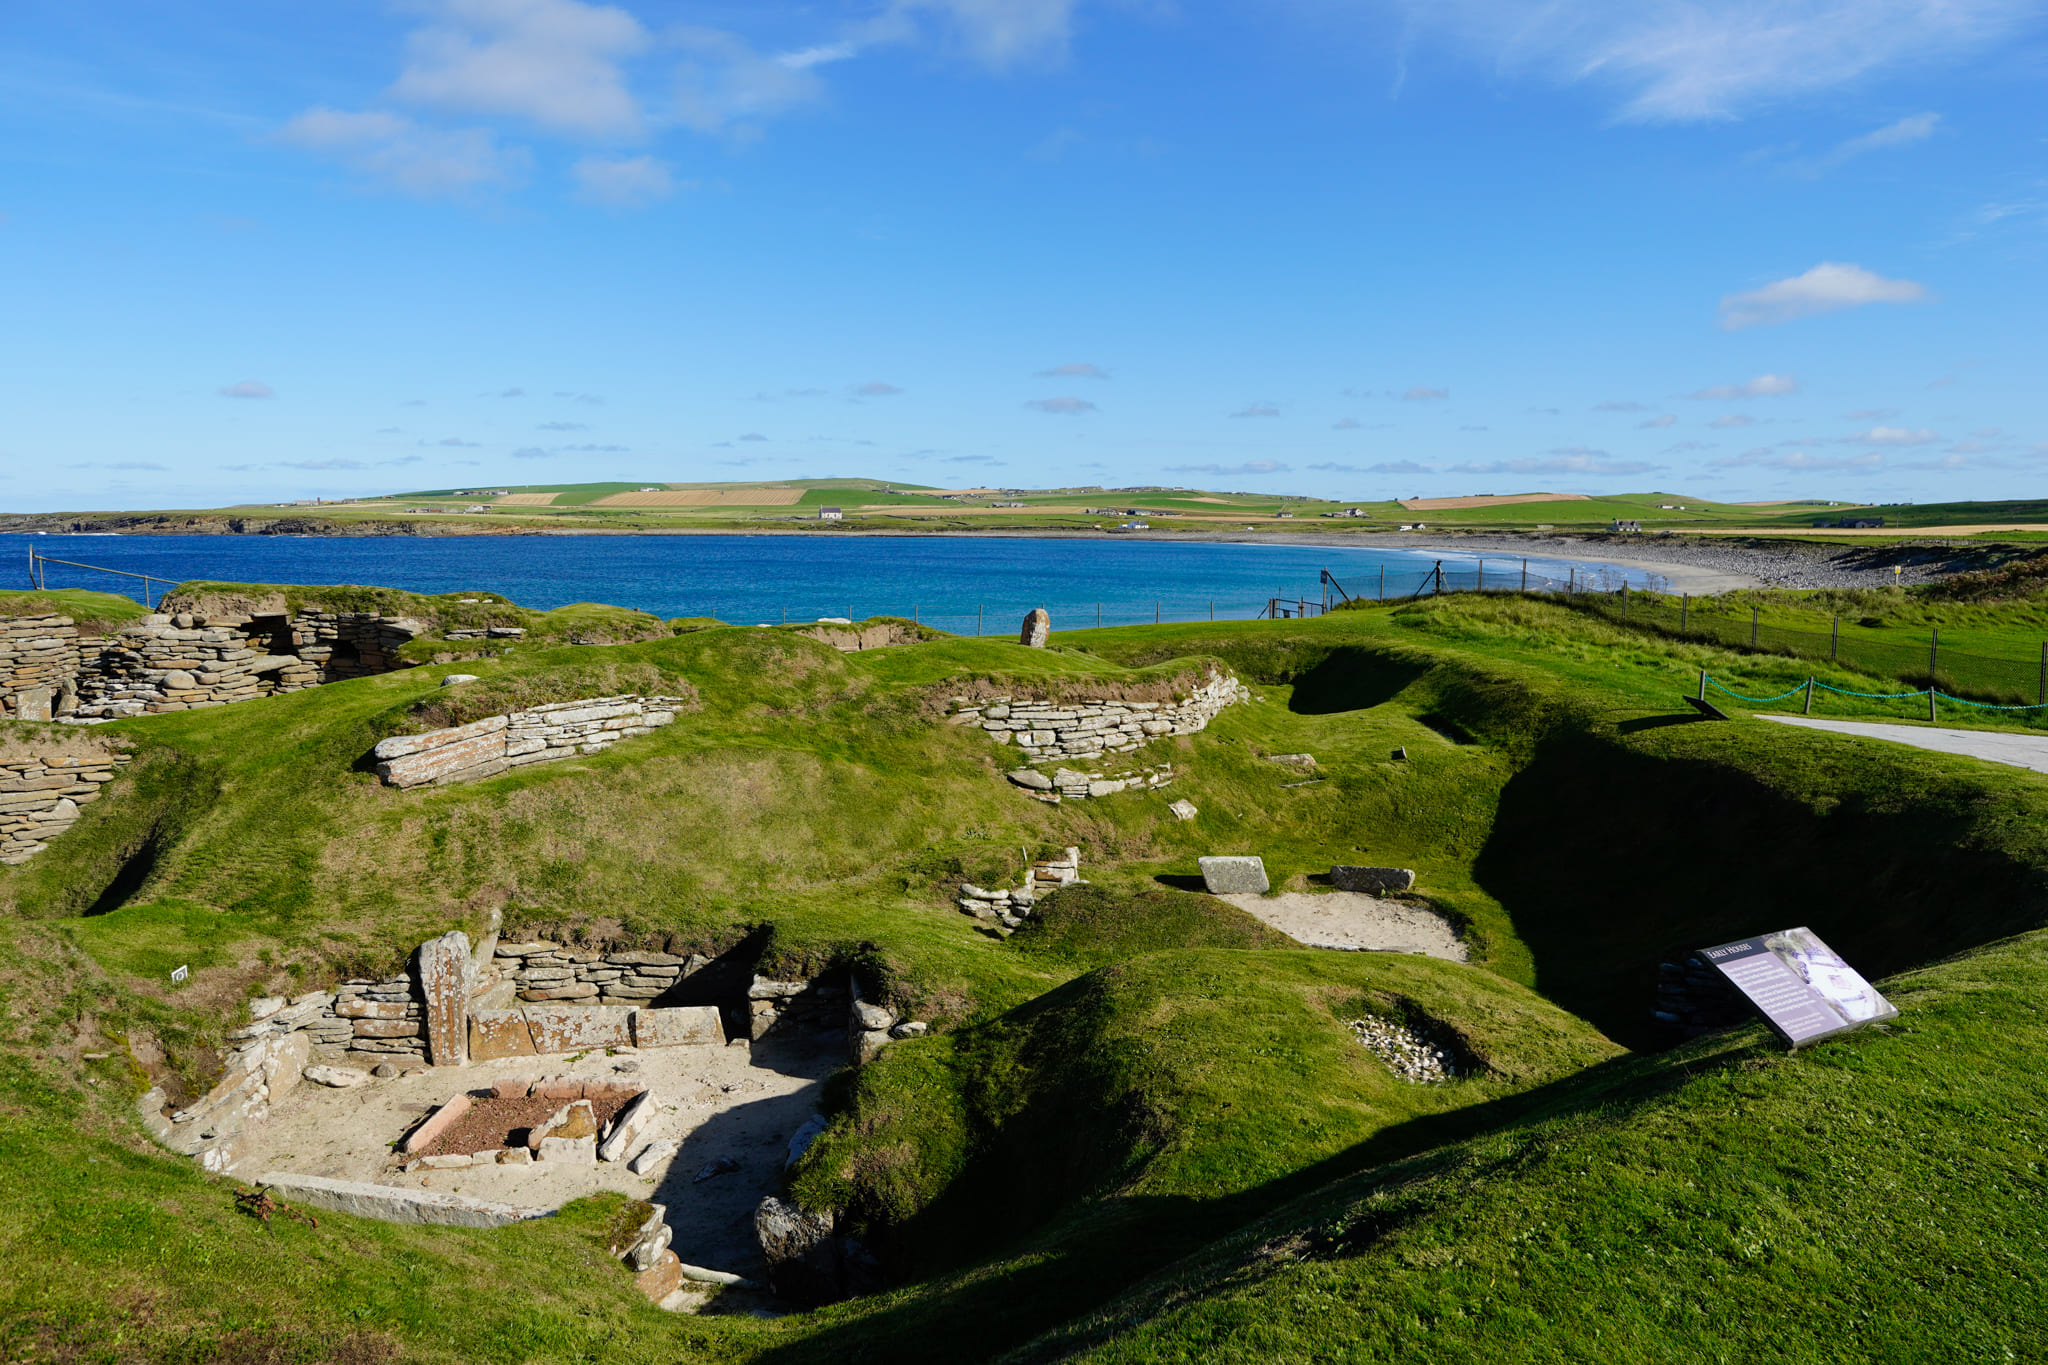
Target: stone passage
(1048,732)
(40,796)
(542,972)
(487,747)
(1072,784)
(48,671)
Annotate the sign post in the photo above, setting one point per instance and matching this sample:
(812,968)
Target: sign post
(1801,987)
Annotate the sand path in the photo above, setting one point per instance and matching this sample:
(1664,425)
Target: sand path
(1993,746)
(1355,921)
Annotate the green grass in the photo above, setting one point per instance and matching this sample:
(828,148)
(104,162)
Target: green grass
(1147,1085)
(93,611)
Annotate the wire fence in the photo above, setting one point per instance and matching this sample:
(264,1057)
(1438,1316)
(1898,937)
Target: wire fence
(1922,663)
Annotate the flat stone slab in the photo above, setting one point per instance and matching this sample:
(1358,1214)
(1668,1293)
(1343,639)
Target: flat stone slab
(393,1204)
(1235,875)
(1373,881)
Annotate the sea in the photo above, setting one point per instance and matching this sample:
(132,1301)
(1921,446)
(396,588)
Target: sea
(956,583)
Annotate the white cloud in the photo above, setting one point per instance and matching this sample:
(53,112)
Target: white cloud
(1071,407)
(1257,410)
(723,80)
(1666,420)
(1684,60)
(1797,459)
(623,182)
(1895,436)
(319,464)
(1396,467)
(1074,371)
(563,426)
(1870,414)
(997,33)
(1346,424)
(248,388)
(1250,467)
(1826,288)
(1915,128)
(1618,407)
(1570,460)
(422,161)
(876,389)
(1733,419)
(555,62)
(1763,386)
(1423,394)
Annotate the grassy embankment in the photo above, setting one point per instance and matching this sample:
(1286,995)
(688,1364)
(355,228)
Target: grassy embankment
(1091,1106)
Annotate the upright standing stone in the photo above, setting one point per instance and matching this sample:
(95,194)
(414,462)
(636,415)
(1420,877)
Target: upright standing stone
(1234,875)
(446,978)
(1037,629)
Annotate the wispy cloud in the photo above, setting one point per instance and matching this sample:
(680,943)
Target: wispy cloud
(1691,60)
(972,459)
(1067,407)
(137,466)
(1074,371)
(1911,129)
(1769,458)
(1894,436)
(1345,424)
(1257,410)
(1422,393)
(1827,288)
(397,152)
(1396,467)
(723,81)
(629,182)
(1763,386)
(876,389)
(1249,467)
(532,453)
(512,393)
(1731,420)
(248,388)
(1870,415)
(322,465)
(1567,460)
(1619,407)
(563,426)
(593,399)
(1666,420)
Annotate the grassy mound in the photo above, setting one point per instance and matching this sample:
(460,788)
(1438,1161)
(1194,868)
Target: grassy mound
(1139,1075)
(1876,1198)
(1095,924)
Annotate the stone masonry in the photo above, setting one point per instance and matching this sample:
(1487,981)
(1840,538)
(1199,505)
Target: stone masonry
(495,744)
(40,797)
(49,671)
(1091,730)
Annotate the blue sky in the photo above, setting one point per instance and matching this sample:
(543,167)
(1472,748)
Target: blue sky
(1723,247)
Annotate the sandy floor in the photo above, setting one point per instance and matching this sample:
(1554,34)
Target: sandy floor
(1351,919)
(737,1102)
(1993,746)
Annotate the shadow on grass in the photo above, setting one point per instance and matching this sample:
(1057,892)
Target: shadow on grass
(1080,1257)
(1352,680)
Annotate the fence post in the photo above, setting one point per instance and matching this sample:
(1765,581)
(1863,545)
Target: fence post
(1835,639)
(1931,695)
(1155,613)
(1571,584)
(1624,599)
(1525,575)
(1098,616)
(1933,655)
(1703,684)
(1752,627)
(1482,574)
(1684,609)
(977,618)
(913,615)
(1212,610)
(1809,697)
(1383,589)
(2044,673)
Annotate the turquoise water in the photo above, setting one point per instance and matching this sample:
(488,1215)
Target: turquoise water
(943,580)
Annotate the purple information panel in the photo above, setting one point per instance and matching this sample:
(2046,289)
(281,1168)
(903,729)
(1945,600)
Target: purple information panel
(1801,987)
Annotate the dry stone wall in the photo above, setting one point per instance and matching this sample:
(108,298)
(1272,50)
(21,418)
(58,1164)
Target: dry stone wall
(484,748)
(49,671)
(547,973)
(40,796)
(1046,732)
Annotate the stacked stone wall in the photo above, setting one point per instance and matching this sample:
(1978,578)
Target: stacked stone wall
(49,671)
(548,972)
(484,748)
(40,797)
(1049,732)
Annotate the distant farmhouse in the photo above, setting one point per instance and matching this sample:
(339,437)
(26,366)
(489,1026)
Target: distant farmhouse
(830,514)
(1854,524)
(1626,528)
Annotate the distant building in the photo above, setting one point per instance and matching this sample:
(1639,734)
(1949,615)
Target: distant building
(1854,523)
(1006,504)
(1626,528)
(830,514)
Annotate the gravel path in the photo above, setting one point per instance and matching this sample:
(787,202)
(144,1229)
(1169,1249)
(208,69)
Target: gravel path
(1993,746)
(1355,921)
(1705,564)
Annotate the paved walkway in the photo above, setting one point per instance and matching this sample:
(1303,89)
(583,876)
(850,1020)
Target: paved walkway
(1993,746)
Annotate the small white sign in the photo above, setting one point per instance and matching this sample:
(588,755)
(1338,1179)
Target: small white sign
(180,974)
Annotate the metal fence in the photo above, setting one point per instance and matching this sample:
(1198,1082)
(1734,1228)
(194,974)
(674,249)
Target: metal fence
(1919,660)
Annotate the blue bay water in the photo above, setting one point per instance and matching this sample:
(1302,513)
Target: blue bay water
(943,580)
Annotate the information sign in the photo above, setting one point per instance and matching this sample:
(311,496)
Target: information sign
(1803,989)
